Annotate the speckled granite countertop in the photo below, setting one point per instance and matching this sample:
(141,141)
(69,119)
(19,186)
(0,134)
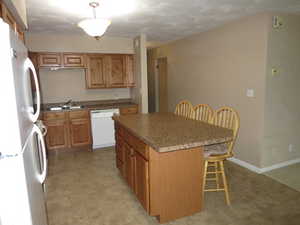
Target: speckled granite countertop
(167,132)
(104,104)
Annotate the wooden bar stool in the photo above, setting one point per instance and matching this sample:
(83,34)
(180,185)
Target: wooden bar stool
(202,112)
(184,108)
(215,155)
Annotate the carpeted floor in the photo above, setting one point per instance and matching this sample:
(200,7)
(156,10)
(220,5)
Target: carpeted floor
(288,175)
(84,188)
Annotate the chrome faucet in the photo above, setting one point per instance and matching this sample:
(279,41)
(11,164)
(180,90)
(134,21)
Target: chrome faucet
(68,102)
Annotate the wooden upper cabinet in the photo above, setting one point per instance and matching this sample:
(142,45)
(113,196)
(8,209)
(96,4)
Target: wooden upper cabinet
(73,60)
(8,18)
(49,59)
(96,71)
(129,65)
(116,75)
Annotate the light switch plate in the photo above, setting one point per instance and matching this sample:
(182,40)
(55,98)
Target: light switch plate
(250,93)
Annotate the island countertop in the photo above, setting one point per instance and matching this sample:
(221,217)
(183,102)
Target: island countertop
(166,132)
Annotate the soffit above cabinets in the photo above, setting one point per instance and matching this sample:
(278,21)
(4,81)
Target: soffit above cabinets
(160,20)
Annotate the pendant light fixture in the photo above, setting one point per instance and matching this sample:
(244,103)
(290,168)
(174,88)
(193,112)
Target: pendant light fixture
(94,27)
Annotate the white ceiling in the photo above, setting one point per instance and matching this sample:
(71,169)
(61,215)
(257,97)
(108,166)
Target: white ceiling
(160,20)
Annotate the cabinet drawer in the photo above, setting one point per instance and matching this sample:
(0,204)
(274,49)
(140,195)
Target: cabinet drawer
(49,59)
(129,110)
(80,114)
(54,116)
(137,144)
(73,60)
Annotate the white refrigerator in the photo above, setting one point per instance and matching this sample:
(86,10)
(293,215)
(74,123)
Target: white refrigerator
(23,163)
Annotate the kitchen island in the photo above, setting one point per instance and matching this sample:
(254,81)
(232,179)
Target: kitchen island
(160,155)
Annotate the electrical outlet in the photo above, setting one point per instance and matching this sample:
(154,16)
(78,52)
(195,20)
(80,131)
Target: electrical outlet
(291,148)
(250,93)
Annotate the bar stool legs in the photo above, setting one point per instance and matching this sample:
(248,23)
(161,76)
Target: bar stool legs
(217,169)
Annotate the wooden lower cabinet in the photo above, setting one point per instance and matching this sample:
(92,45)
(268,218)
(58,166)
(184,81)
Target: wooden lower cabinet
(67,129)
(57,134)
(80,132)
(129,166)
(142,180)
(168,185)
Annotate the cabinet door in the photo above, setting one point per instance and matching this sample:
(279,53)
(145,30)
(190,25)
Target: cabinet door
(49,59)
(116,75)
(129,166)
(96,70)
(120,149)
(73,60)
(129,65)
(80,132)
(57,134)
(142,180)
(120,157)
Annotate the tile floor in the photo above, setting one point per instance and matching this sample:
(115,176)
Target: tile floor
(84,188)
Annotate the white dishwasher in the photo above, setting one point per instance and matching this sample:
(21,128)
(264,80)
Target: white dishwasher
(103,130)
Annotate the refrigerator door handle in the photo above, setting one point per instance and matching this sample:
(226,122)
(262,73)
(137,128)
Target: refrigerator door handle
(29,65)
(43,174)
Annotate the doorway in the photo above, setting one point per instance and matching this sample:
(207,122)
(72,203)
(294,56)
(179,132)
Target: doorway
(161,85)
(157,83)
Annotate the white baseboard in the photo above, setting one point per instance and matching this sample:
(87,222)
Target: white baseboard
(280,165)
(245,164)
(264,169)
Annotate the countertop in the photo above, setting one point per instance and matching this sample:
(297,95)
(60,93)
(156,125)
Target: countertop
(167,132)
(92,105)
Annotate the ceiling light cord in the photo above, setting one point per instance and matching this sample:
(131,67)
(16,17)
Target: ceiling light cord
(94,5)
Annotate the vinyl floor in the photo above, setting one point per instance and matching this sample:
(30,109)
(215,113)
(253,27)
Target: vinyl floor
(85,188)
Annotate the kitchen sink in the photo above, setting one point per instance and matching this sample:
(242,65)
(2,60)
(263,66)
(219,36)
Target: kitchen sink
(65,107)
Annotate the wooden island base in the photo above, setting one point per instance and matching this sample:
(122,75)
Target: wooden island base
(167,184)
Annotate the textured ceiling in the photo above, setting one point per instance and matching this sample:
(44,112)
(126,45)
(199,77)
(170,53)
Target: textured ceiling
(160,20)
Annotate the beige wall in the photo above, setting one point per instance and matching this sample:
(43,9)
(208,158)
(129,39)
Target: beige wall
(140,92)
(61,85)
(217,67)
(282,110)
